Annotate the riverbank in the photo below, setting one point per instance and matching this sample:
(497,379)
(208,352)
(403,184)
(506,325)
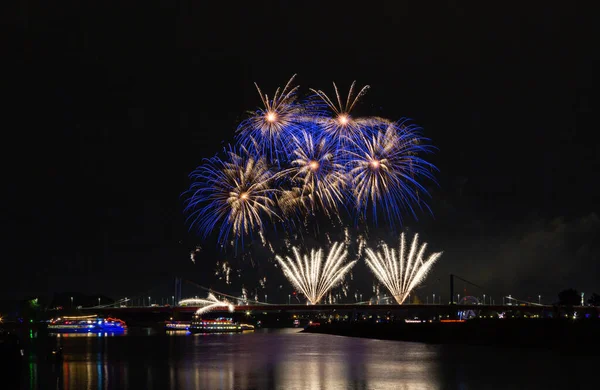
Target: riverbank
(550,333)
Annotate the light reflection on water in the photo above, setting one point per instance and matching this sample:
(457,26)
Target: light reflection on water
(287,359)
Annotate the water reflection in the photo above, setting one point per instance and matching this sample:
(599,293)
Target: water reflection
(288,359)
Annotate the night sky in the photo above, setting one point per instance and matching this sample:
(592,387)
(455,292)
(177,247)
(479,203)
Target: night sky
(109,108)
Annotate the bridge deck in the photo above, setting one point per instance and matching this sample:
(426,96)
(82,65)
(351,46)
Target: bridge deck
(297,308)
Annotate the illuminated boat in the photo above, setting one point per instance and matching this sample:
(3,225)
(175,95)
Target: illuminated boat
(219,325)
(177,325)
(86,324)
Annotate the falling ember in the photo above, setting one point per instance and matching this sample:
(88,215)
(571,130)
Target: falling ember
(314,276)
(265,243)
(195,254)
(347,237)
(361,245)
(400,272)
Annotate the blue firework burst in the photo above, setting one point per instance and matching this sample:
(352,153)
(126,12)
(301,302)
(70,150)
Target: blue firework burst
(233,195)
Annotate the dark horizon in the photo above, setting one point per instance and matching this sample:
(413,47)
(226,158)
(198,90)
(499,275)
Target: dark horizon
(113,109)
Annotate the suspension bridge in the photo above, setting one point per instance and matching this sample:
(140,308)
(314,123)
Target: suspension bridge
(468,304)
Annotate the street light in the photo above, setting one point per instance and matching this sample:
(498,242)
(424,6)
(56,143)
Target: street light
(149,301)
(98,301)
(71,302)
(434,298)
(173,298)
(289,298)
(484,299)
(125,301)
(265,298)
(539,299)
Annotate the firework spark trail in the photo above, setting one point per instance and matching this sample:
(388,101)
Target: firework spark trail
(234,193)
(360,240)
(341,125)
(347,237)
(384,168)
(265,243)
(273,125)
(313,276)
(399,273)
(208,304)
(318,174)
(195,254)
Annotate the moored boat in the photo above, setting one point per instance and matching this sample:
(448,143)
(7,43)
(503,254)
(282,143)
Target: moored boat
(177,325)
(86,324)
(219,325)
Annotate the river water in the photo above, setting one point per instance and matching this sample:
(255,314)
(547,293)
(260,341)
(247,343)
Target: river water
(288,359)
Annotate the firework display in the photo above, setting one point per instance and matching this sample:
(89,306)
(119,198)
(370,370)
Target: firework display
(384,168)
(340,124)
(269,129)
(297,157)
(400,272)
(314,276)
(205,305)
(234,193)
(318,171)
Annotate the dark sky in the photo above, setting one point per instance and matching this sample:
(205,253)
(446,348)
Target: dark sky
(110,106)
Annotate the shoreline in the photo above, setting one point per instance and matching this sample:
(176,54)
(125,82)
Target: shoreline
(580,335)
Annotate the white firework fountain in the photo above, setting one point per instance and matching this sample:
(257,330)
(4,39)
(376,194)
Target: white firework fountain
(314,276)
(400,272)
